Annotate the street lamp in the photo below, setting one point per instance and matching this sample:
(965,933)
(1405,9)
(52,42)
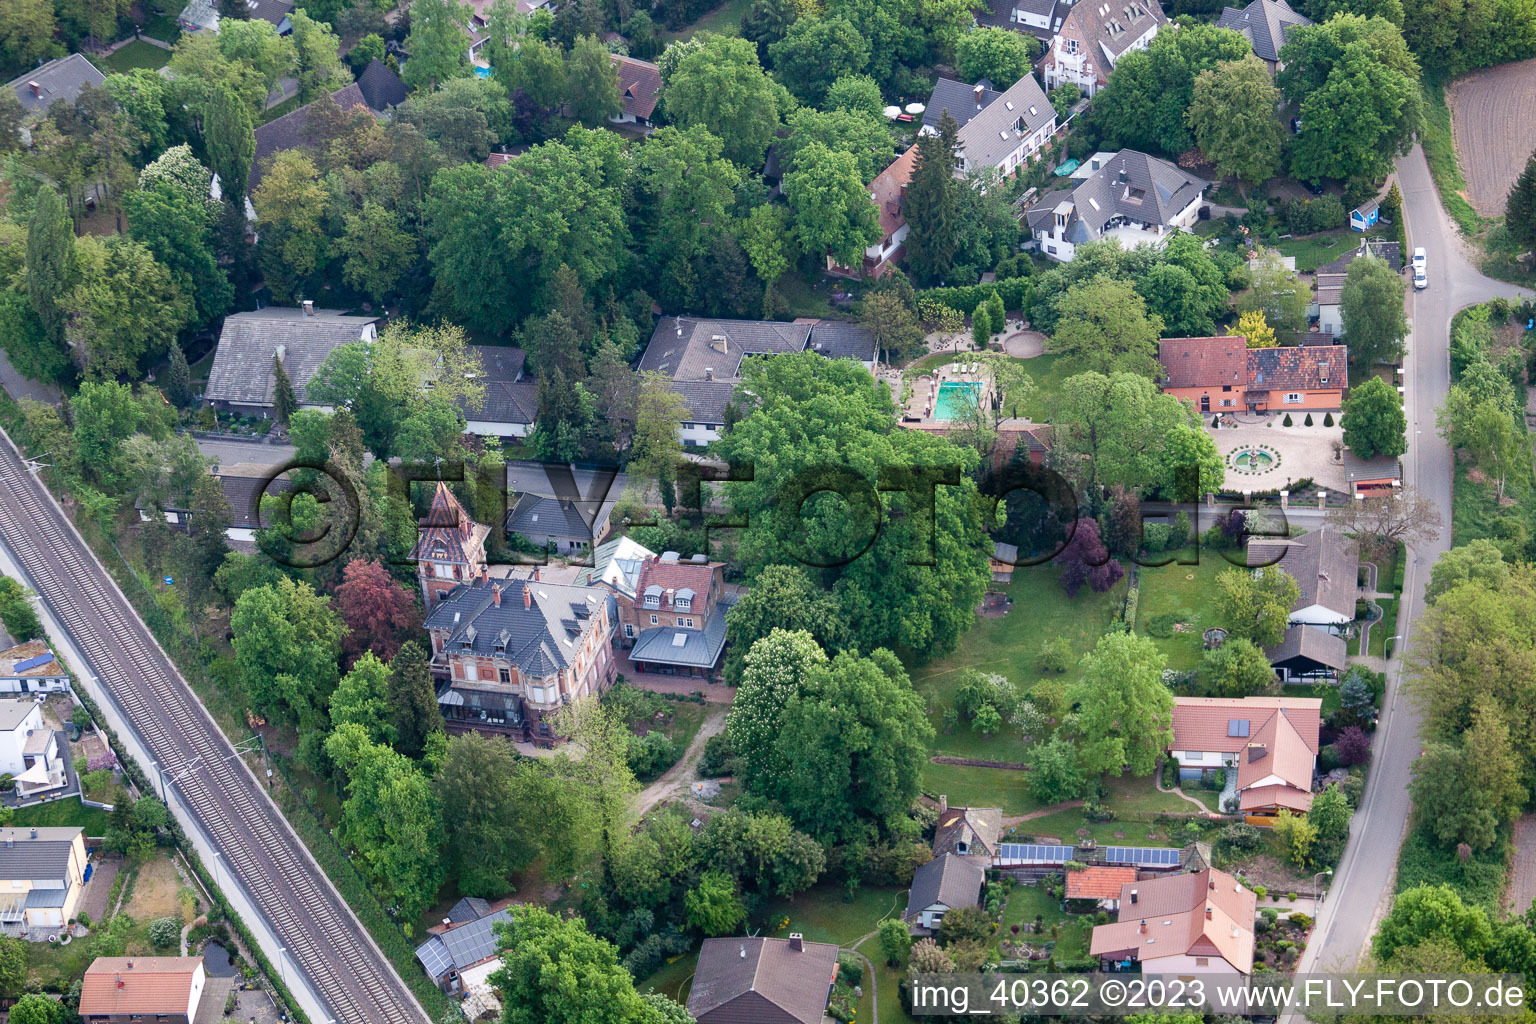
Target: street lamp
(217,879)
(282,963)
(1322,893)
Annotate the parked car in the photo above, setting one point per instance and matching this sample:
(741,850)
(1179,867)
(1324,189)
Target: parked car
(1420,279)
(1420,259)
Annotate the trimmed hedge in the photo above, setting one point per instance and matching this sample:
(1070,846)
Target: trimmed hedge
(1016,293)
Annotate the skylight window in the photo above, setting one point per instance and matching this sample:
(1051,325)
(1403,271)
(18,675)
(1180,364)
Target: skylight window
(679,639)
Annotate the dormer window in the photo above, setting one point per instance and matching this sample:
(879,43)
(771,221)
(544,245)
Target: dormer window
(652,596)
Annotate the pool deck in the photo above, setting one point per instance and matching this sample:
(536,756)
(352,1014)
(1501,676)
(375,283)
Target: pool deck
(924,405)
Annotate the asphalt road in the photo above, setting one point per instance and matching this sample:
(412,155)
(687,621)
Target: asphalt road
(321,939)
(1362,886)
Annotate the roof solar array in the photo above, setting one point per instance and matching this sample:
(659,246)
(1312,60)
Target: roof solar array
(1148,856)
(1041,854)
(434,957)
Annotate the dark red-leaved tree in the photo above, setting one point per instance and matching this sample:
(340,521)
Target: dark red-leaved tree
(1352,746)
(1085,559)
(375,608)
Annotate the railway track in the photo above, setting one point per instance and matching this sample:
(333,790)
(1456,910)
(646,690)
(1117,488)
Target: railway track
(323,939)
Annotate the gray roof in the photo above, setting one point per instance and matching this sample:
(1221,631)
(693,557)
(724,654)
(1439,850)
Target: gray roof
(994,132)
(541,517)
(947,880)
(61,79)
(14,712)
(700,648)
(959,99)
(540,639)
(509,396)
(1266,23)
(242,366)
(24,858)
(49,898)
(999,14)
(706,399)
(686,348)
(462,946)
(761,981)
(381,87)
(1324,564)
(273,12)
(1309,645)
(1380,467)
(843,339)
(1132,185)
(291,130)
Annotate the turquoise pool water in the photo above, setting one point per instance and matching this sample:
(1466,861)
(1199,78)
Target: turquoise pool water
(955,398)
(483,72)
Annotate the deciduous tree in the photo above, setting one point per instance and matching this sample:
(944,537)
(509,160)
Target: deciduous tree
(1371,304)
(1256,604)
(833,214)
(1125,713)
(1373,421)
(1232,116)
(998,54)
(722,87)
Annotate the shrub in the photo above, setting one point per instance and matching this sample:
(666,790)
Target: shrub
(1054,654)
(1308,420)
(1287,421)
(715,761)
(1352,747)
(651,754)
(1327,758)
(1353,787)
(1260,891)
(1241,836)
(1300,920)
(851,966)
(1262,924)
(164,932)
(1291,896)
(1162,625)
(1327,419)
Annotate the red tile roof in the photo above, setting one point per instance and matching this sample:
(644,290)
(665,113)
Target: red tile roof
(1299,368)
(1203,362)
(1098,883)
(639,84)
(1206,913)
(676,576)
(1279,737)
(887,189)
(138,985)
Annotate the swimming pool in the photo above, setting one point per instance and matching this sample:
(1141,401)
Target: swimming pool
(481,72)
(955,398)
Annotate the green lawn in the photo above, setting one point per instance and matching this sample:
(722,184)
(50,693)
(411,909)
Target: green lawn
(673,979)
(823,914)
(64,812)
(724,20)
(1384,628)
(1048,371)
(1312,251)
(966,786)
(1187,591)
(137,54)
(1440,155)
(162,26)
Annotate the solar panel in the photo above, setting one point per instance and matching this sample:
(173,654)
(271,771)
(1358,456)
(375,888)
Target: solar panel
(1237,727)
(434,957)
(1036,853)
(1142,856)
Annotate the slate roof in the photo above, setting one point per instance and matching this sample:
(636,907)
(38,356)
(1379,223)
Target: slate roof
(149,984)
(61,79)
(959,98)
(244,496)
(25,858)
(447,533)
(538,517)
(761,981)
(639,85)
(463,945)
(509,397)
(1203,362)
(1266,23)
(706,399)
(1298,368)
(700,648)
(1198,914)
(979,828)
(946,880)
(1151,191)
(999,14)
(843,339)
(1098,882)
(1306,644)
(994,132)
(470,908)
(540,639)
(271,11)
(887,189)
(290,130)
(1380,467)
(717,345)
(381,87)
(1324,564)
(242,365)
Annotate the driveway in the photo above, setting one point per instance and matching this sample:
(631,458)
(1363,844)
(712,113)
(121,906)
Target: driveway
(18,386)
(674,783)
(1363,883)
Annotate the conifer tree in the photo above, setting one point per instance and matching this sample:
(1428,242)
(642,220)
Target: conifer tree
(178,379)
(931,205)
(284,401)
(1520,209)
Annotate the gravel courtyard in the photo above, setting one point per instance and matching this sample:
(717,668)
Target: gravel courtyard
(1302,452)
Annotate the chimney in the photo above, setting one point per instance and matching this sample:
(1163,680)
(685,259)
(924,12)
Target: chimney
(37,90)
(118,980)
(979,91)
(1133,899)
(527,597)
(709,373)
(943,803)
(309,307)
(485,574)
(797,942)
(34,833)
(1207,911)
(1143,928)
(1212,885)
(496,594)
(1256,752)
(718,343)
(130,965)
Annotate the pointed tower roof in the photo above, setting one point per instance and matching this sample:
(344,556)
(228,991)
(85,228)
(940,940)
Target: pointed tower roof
(448,533)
